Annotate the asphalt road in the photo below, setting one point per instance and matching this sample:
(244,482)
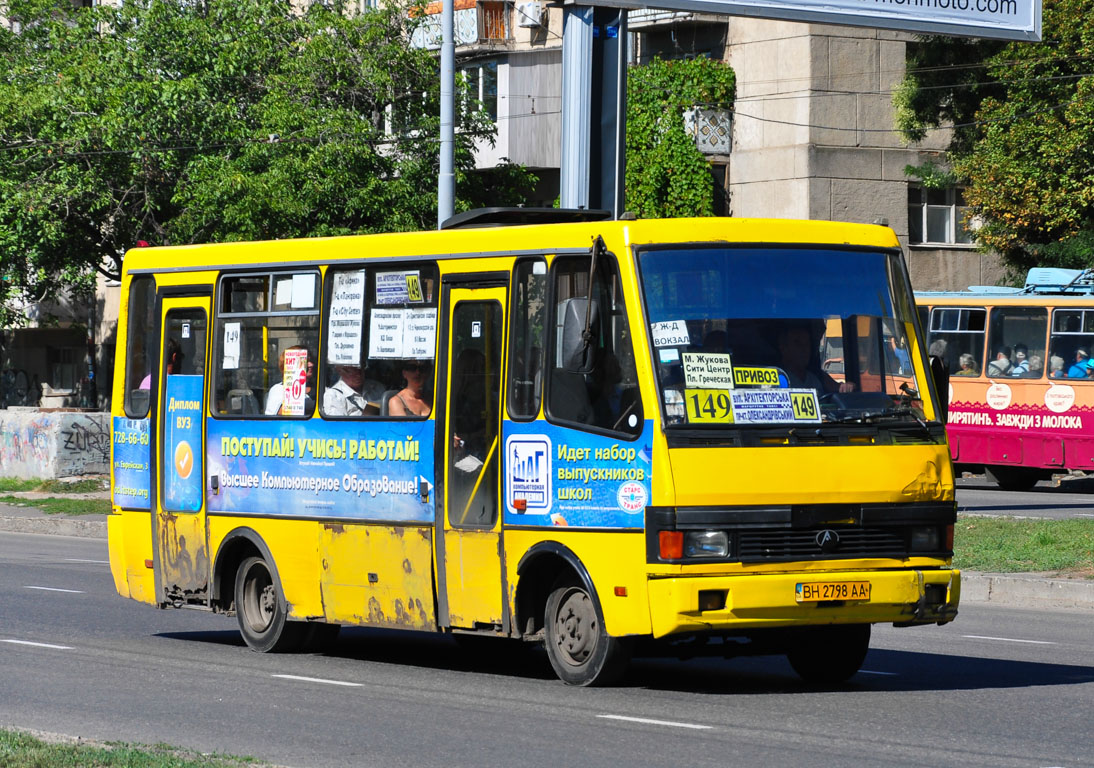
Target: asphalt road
(997,688)
(1072,498)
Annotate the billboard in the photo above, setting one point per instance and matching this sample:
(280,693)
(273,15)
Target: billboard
(1001,19)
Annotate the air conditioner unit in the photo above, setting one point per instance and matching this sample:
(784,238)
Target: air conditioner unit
(530,14)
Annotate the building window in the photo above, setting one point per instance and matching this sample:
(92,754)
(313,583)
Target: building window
(938,216)
(482,87)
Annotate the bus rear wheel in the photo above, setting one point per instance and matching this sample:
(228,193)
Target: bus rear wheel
(829,655)
(580,651)
(260,610)
(1014,478)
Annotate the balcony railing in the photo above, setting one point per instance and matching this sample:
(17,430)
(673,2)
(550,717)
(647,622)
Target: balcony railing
(473,23)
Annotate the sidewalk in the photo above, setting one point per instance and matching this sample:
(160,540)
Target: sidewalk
(1016,590)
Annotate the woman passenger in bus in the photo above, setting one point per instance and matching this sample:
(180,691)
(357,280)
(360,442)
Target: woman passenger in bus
(1056,367)
(411,400)
(968,366)
(1021,361)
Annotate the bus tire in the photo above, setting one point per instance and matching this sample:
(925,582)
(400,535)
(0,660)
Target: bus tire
(829,655)
(580,651)
(260,610)
(1014,478)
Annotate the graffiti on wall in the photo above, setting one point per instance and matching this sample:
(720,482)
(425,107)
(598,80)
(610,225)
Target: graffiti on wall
(35,444)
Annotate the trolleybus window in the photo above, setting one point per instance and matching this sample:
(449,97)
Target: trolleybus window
(961,332)
(1016,342)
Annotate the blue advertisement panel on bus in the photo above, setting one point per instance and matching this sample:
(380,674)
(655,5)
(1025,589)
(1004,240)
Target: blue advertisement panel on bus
(374,470)
(560,476)
(131,463)
(182,462)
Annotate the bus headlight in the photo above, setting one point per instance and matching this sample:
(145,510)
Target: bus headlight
(712,544)
(925,539)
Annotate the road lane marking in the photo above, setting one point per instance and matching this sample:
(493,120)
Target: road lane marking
(37,645)
(647,721)
(55,589)
(318,680)
(1008,639)
(82,560)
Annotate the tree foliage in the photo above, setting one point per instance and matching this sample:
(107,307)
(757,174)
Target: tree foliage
(667,176)
(173,122)
(1024,136)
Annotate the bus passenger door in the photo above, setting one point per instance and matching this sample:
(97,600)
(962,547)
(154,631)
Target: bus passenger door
(180,540)
(470,572)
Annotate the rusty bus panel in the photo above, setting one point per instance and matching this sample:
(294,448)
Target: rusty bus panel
(377,575)
(183,556)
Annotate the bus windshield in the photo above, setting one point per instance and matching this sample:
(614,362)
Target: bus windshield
(773,336)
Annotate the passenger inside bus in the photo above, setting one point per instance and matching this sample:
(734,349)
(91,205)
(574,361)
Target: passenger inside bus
(1080,369)
(1056,367)
(1021,361)
(412,399)
(968,366)
(353,394)
(1001,365)
(795,354)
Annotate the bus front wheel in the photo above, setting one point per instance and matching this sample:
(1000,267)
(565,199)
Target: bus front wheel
(829,655)
(260,610)
(581,652)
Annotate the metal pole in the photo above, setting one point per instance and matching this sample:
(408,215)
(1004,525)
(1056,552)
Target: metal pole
(446,180)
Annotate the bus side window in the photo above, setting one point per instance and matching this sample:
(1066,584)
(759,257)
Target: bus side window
(140,341)
(608,397)
(262,320)
(526,337)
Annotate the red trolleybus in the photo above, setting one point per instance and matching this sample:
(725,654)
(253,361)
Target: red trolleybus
(1022,384)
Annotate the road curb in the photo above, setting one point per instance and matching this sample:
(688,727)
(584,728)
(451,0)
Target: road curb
(55,525)
(1019,590)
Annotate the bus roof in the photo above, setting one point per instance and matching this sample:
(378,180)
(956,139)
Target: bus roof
(508,240)
(1041,282)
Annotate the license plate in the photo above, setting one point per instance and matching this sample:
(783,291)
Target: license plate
(819,591)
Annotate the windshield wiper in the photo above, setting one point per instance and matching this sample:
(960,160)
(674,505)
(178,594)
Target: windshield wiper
(897,412)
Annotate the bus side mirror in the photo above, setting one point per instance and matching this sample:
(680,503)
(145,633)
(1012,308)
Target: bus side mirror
(579,351)
(940,374)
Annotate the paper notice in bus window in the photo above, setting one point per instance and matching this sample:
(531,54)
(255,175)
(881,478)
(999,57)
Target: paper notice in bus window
(283,291)
(295,382)
(231,346)
(774,406)
(420,333)
(347,315)
(391,288)
(385,333)
(303,291)
(707,371)
(672,333)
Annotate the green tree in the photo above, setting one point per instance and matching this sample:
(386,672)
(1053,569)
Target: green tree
(667,176)
(1023,142)
(173,122)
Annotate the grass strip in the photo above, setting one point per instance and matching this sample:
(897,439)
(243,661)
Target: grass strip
(1010,545)
(22,750)
(54,505)
(15,485)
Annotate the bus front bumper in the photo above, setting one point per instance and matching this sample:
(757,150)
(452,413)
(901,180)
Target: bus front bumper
(903,597)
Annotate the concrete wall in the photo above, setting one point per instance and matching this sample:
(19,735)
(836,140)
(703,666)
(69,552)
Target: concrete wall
(48,444)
